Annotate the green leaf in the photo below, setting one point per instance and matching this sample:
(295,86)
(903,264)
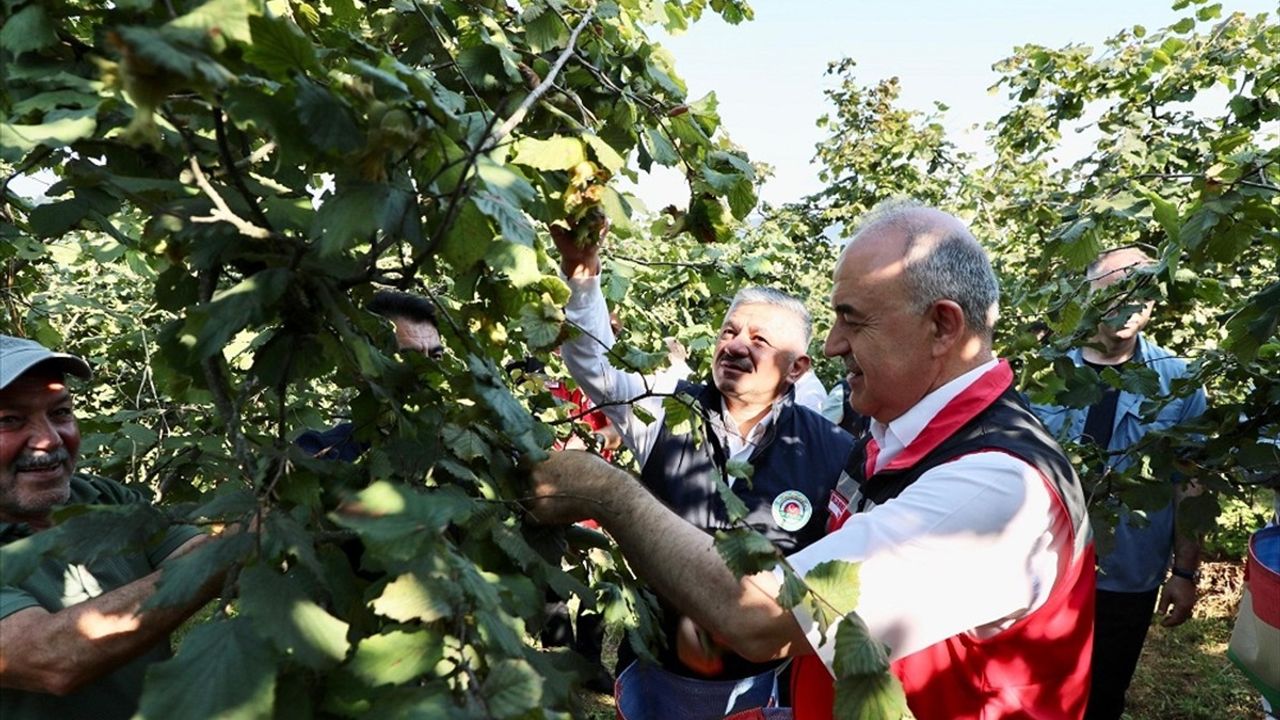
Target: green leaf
(541,323)
(516,262)
(234,309)
(1185,25)
(280,48)
(222,670)
(385,511)
(21,139)
(835,588)
(745,551)
(857,653)
(297,626)
(555,153)
(871,697)
(86,533)
(464,443)
(28,29)
(396,657)
(660,147)
(734,506)
(793,590)
(184,576)
(512,688)
(469,239)
(679,414)
(546,31)
(225,18)
(414,597)
(605,154)
(329,121)
(357,211)
(503,194)
(1165,213)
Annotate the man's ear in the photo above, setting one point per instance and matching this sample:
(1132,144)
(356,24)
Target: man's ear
(949,326)
(799,367)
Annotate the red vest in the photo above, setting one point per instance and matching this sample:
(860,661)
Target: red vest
(1036,668)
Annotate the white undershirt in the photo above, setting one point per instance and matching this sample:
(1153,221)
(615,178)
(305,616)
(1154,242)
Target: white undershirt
(971,546)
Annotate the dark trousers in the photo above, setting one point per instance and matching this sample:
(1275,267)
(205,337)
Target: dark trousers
(1120,627)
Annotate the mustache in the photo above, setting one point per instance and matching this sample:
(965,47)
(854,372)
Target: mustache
(737,363)
(31,461)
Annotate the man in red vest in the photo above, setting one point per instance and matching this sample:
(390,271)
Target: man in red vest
(969,524)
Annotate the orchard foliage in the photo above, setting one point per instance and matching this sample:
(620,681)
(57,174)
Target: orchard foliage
(1181,125)
(234,179)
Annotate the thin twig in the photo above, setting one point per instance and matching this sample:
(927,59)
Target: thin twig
(224,150)
(547,83)
(223,213)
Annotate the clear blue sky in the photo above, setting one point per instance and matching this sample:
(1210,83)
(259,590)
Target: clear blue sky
(769,73)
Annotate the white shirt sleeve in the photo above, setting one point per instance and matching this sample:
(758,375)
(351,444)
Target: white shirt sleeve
(971,546)
(586,357)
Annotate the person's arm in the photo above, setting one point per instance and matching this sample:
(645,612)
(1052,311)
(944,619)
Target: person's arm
(60,652)
(962,548)
(1178,594)
(586,355)
(675,558)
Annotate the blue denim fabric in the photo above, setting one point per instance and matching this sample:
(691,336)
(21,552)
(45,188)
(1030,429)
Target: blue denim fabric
(1140,557)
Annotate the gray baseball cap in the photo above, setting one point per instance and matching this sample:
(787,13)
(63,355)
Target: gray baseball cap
(18,355)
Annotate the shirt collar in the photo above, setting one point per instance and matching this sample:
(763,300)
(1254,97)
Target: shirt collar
(907,426)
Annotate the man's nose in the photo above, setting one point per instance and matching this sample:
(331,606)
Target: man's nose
(834,346)
(44,436)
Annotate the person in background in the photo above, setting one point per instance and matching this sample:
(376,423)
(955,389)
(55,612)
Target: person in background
(414,320)
(1136,577)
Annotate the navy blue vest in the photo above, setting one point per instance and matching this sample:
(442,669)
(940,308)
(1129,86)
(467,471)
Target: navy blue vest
(801,451)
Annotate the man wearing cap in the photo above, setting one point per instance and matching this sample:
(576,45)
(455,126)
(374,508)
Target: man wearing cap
(74,640)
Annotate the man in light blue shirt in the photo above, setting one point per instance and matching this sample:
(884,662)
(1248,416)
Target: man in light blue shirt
(1133,573)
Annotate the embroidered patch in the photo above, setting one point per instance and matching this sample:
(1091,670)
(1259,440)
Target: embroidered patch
(792,510)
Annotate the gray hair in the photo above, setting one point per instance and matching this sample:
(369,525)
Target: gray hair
(953,267)
(760,295)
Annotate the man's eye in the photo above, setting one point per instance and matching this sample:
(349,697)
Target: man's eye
(64,413)
(10,421)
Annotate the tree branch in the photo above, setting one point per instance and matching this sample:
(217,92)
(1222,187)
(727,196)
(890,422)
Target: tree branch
(547,83)
(223,213)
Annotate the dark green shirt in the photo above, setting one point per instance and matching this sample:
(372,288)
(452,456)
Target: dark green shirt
(57,584)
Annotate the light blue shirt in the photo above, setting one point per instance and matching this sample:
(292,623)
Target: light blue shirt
(1140,558)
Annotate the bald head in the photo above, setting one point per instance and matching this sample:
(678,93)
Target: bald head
(1113,265)
(935,255)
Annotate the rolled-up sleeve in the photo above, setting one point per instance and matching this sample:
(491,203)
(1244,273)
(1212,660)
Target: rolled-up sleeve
(586,355)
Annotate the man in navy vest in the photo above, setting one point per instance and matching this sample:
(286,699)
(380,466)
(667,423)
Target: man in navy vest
(748,412)
(968,521)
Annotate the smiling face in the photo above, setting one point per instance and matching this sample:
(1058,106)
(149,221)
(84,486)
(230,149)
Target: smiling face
(39,446)
(760,352)
(884,342)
